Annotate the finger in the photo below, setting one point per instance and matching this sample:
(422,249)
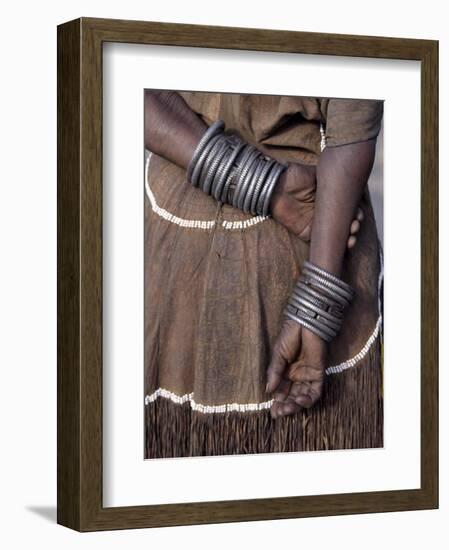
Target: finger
(304,231)
(298,389)
(304,400)
(360,215)
(289,407)
(282,390)
(276,409)
(274,376)
(275,371)
(352,241)
(305,394)
(355,226)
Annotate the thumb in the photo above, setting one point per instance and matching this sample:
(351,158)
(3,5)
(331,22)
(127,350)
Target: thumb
(275,371)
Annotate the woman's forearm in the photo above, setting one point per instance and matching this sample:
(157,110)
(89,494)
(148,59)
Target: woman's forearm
(342,174)
(172,128)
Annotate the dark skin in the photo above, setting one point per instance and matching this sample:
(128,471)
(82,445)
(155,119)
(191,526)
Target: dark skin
(173,130)
(317,204)
(299,359)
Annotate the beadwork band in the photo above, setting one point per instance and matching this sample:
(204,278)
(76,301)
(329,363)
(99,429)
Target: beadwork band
(318,301)
(234,172)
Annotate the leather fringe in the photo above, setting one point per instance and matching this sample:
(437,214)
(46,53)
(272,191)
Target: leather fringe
(349,416)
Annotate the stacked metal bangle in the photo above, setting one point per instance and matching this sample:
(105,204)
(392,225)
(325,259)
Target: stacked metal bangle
(318,301)
(234,172)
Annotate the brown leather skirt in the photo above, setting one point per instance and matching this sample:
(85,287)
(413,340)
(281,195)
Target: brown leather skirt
(216,283)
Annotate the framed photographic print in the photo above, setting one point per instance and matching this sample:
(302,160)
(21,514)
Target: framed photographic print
(247,274)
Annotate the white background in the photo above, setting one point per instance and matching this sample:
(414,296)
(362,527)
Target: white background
(128,480)
(28,275)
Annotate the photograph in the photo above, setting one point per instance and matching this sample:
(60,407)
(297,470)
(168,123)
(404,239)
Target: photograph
(247,226)
(263,273)
(224,275)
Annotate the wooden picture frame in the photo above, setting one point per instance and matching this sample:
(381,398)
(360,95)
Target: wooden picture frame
(79,472)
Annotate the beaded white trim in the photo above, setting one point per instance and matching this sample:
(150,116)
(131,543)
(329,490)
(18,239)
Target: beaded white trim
(379,285)
(227,407)
(246,407)
(323,138)
(359,356)
(206,225)
(243,407)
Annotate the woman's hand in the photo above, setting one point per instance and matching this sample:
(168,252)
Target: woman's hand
(293,199)
(293,202)
(297,369)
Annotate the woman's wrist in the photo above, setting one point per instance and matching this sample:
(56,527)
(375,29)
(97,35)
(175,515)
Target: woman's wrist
(233,171)
(318,301)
